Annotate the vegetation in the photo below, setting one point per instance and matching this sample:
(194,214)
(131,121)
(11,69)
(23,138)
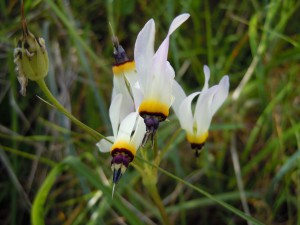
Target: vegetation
(249,170)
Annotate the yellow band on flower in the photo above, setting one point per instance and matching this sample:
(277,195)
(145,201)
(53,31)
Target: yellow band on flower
(152,106)
(120,69)
(193,139)
(123,145)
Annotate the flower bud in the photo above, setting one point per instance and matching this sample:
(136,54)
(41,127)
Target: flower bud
(31,58)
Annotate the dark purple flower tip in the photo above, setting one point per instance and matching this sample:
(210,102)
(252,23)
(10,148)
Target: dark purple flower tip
(117,159)
(121,159)
(197,148)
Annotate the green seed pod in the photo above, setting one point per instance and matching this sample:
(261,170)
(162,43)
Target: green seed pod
(31,58)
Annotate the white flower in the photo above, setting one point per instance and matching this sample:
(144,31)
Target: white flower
(127,137)
(196,122)
(124,73)
(153,92)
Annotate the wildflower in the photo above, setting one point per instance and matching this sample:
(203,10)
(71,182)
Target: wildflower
(30,56)
(124,73)
(153,92)
(196,124)
(126,139)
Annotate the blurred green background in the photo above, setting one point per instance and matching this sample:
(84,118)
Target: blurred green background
(252,154)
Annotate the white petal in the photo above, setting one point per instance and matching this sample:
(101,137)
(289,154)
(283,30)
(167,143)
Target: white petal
(137,95)
(179,96)
(131,77)
(126,127)
(161,54)
(139,133)
(185,115)
(221,94)
(144,49)
(160,86)
(114,112)
(207,76)
(203,114)
(121,87)
(177,22)
(104,145)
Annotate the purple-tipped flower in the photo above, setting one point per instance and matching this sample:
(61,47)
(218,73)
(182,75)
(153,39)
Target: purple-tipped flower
(197,122)
(127,137)
(153,92)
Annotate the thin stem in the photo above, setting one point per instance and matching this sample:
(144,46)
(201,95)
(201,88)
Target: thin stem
(206,194)
(158,202)
(59,107)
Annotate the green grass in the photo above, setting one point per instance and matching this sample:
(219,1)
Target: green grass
(248,172)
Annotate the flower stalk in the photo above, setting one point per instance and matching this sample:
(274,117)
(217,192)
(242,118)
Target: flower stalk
(158,202)
(150,182)
(149,176)
(58,106)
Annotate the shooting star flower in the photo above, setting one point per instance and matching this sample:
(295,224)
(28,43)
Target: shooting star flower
(153,92)
(124,74)
(127,138)
(196,124)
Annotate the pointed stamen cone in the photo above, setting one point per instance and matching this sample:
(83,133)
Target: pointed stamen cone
(197,148)
(152,124)
(117,174)
(197,153)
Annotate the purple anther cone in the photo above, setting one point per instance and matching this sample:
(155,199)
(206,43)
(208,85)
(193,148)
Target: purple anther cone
(120,159)
(152,123)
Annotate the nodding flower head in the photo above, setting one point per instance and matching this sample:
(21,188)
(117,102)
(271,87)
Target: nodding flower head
(124,74)
(30,57)
(119,52)
(155,75)
(127,137)
(196,123)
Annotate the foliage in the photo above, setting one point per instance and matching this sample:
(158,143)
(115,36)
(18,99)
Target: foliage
(250,163)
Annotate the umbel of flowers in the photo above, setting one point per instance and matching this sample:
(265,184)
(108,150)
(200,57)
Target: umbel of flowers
(143,92)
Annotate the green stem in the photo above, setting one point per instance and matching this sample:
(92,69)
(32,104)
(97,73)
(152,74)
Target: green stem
(158,202)
(84,127)
(206,194)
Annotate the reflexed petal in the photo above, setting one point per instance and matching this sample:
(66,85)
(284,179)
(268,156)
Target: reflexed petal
(159,86)
(177,22)
(137,95)
(144,49)
(203,114)
(131,77)
(179,96)
(221,94)
(185,114)
(139,133)
(114,112)
(122,87)
(104,145)
(207,76)
(161,54)
(126,127)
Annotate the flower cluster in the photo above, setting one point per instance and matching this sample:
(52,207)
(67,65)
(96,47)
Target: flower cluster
(143,92)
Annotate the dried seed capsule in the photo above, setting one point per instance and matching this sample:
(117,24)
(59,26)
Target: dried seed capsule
(31,58)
